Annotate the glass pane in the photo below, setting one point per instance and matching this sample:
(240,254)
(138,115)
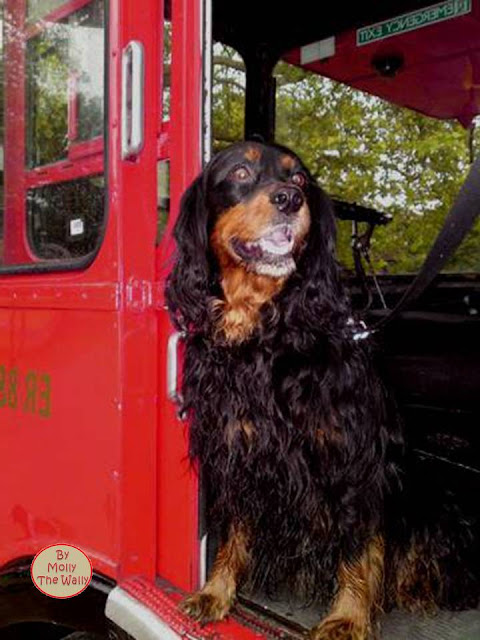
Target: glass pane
(65,219)
(40,8)
(163,196)
(51,133)
(167,67)
(163,164)
(64,102)
(228,104)
(47,96)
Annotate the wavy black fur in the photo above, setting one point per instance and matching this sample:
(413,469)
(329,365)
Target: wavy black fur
(308,499)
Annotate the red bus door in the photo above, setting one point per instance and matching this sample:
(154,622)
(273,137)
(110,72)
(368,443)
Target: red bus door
(78,332)
(178,537)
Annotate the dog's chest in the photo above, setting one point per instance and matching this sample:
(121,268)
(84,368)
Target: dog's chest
(255,382)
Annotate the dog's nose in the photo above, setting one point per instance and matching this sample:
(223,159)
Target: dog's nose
(287,199)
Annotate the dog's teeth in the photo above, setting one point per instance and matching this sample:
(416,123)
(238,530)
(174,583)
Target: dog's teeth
(285,268)
(279,249)
(254,249)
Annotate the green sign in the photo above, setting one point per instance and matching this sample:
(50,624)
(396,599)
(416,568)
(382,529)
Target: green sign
(414,20)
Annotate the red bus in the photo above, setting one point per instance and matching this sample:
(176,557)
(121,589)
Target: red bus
(106,119)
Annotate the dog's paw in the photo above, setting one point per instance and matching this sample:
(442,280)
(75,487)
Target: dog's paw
(205,607)
(339,629)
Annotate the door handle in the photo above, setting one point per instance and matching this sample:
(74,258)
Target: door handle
(173,392)
(133,81)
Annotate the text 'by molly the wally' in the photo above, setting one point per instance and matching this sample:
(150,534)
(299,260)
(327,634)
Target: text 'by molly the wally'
(61,571)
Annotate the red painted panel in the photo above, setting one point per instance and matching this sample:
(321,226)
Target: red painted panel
(60,415)
(440,75)
(133,202)
(163,145)
(93,332)
(177,521)
(63,170)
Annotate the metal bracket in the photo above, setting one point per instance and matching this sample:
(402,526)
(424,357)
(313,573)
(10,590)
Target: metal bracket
(138,295)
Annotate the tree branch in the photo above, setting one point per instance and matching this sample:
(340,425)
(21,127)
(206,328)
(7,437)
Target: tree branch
(231,63)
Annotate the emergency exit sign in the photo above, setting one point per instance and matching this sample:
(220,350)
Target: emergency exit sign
(414,20)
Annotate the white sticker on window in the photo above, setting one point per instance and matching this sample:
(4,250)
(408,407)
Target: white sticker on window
(76,227)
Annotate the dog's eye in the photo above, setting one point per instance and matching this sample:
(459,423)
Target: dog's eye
(240,174)
(299,179)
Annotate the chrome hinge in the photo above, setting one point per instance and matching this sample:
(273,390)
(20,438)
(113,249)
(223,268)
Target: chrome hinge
(138,295)
(141,295)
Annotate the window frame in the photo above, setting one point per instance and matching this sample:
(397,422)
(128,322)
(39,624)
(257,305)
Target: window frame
(88,152)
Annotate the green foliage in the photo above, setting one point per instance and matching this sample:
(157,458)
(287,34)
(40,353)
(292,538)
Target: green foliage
(364,150)
(54,57)
(228,97)
(47,97)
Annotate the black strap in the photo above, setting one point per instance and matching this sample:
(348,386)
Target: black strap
(457,224)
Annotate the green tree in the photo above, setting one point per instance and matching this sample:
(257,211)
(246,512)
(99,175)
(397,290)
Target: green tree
(228,97)
(364,150)
(368,151)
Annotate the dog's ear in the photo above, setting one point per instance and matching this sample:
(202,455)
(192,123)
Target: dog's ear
(187,285)
(317,293)
(320,257)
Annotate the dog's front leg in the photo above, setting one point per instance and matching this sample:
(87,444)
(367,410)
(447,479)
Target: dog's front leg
(359,596)
(215,599)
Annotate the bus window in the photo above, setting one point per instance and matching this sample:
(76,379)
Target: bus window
(81,201)
(163,197)
(163,155)
(228,104)
(52,136)
(167,65)
(370,152)
(64,101)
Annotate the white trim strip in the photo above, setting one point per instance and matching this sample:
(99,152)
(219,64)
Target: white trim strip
(203,559)
(207,46)
(135,618)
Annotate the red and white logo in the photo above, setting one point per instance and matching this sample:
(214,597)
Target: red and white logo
(61,571)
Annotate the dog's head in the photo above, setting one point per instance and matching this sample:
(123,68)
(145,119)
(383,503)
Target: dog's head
(253,220)
(258,198)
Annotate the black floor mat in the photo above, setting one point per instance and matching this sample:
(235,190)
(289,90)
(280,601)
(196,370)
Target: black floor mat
(397,625)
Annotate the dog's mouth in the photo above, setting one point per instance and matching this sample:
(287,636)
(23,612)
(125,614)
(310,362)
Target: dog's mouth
(271,254)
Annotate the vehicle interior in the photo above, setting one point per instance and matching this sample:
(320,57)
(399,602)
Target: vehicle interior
(415,61)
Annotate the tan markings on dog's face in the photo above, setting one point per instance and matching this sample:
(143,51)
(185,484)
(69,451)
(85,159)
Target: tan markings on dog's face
(244,221)
(253,154)
(247,222)
(287,162)
(248,284)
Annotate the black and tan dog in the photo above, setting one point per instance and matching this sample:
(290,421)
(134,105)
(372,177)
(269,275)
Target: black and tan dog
(289,422)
